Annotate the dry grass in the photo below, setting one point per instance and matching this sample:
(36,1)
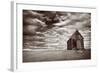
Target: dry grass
(55,55)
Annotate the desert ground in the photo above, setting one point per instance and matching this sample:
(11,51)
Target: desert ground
(55,55)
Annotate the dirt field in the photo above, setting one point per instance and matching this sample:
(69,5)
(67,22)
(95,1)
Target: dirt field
(55,55)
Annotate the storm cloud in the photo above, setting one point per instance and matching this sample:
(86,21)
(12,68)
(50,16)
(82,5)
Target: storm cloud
(55,28)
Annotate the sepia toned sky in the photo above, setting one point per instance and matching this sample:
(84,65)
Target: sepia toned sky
(60,25)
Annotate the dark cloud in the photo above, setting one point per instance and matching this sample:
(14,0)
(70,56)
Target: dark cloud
(58,25)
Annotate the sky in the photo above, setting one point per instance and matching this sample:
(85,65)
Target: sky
(55,28)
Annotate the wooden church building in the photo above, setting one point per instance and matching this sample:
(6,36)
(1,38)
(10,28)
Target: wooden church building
(76,41)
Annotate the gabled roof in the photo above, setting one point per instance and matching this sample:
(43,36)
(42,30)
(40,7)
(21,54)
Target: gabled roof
(76,34)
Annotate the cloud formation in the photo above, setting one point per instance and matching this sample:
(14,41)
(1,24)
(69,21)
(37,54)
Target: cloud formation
(57,27)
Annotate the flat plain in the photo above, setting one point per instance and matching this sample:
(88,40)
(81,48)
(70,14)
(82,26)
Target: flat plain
(55,55)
